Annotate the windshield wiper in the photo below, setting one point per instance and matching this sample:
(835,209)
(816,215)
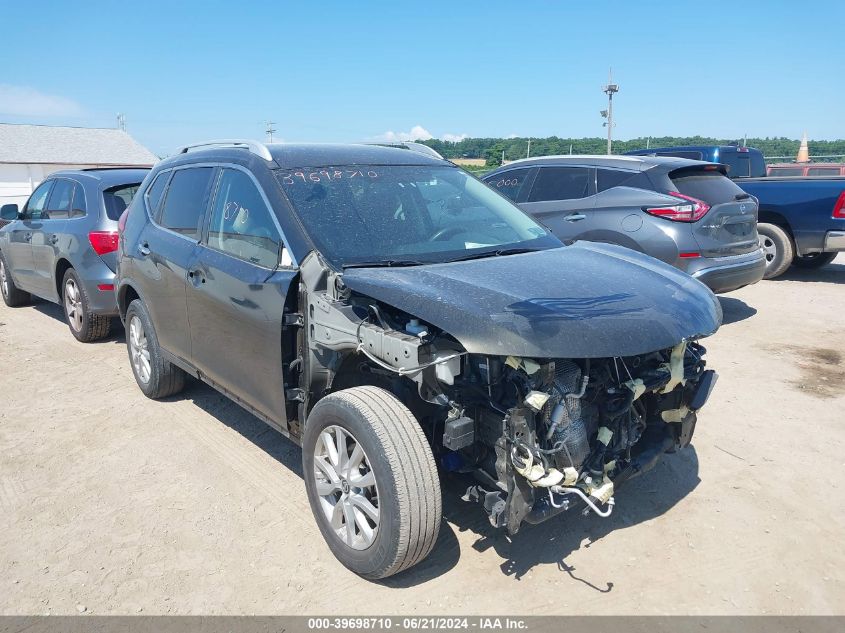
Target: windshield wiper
(385,263)
(497,253)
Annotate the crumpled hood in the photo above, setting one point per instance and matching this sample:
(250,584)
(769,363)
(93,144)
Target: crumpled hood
(580,301)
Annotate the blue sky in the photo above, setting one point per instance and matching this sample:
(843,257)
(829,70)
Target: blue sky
(345,71)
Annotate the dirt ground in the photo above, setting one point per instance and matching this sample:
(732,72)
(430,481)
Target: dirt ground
(114,504)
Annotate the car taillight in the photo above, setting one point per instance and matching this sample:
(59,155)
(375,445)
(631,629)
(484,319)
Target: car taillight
(103,242)
(692,211)
(121,223)
(839,207)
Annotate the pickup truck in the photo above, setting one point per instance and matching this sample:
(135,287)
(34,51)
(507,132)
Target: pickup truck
(801,220)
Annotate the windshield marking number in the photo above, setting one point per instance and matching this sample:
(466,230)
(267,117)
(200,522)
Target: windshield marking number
(325,175)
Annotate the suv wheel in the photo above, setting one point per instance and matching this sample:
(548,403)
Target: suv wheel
(814,260)
(12,295)
(371,481)
(778,248)
(84,326)
(157,377)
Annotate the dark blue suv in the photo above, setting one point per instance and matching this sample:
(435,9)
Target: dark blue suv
(389,312)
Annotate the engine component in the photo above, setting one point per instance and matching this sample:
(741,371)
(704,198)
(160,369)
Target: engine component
(567,429)
(459,433)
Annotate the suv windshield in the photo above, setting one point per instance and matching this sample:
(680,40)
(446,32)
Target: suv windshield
(398,214)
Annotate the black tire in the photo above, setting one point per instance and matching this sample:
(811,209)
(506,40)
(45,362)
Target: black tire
(165,379)
(778,248)
(406,481)
(12,295)
(813,260)
(85,326)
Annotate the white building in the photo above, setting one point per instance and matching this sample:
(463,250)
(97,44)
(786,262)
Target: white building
(30,153)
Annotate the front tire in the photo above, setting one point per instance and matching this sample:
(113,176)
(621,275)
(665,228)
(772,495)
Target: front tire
(85,326)
(157,377)
(778,248)
(813,260)
(371,481)
(12,295)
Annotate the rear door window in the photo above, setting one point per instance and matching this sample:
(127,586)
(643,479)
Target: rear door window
(37,201)
(510,183)
(184,204)
(561,183)
(710,186)
(58,205)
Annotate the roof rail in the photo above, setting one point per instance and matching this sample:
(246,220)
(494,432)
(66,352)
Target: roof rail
(419,148)
(256,147)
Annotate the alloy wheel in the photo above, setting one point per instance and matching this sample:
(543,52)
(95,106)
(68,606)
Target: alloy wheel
(769,248)
(73,305)
(346,485)
(3,288)
(139,350)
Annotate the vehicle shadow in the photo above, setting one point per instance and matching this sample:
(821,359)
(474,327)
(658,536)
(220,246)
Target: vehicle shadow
(446,551)
(833,273)
(639,500)
(55,311)
(734,310)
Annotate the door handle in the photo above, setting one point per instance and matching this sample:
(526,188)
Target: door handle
(144,249)
(574,217)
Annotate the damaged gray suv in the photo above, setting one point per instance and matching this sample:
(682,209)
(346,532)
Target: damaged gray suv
(398,319)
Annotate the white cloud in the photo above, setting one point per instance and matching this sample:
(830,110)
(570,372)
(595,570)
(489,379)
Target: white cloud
(26,101)
(417,133)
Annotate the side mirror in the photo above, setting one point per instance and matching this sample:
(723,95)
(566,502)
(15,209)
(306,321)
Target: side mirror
(9,212)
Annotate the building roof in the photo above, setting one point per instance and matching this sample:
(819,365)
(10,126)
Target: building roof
(71,146)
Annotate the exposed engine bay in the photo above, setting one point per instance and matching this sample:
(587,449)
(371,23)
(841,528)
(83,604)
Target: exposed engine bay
(539,435)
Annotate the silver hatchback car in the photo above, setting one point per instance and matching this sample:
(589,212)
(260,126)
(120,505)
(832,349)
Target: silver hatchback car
(62,246)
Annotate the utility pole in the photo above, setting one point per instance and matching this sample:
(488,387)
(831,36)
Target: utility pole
(610,89)
(503,157)
(270,129)
(528,153)
(121,121)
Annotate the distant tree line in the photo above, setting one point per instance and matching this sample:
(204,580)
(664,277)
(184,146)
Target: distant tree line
(514,148)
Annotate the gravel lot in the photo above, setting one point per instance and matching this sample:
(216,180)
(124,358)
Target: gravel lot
(113,504)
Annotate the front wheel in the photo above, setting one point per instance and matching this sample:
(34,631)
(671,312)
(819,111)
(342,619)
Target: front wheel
(371,481)
(777,247)
(814,260)
(12,295)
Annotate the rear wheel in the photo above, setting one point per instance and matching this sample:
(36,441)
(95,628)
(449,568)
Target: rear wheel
(12,295)
(814,260)
(778,248)
(157,377)
(85,326)
(371,480)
